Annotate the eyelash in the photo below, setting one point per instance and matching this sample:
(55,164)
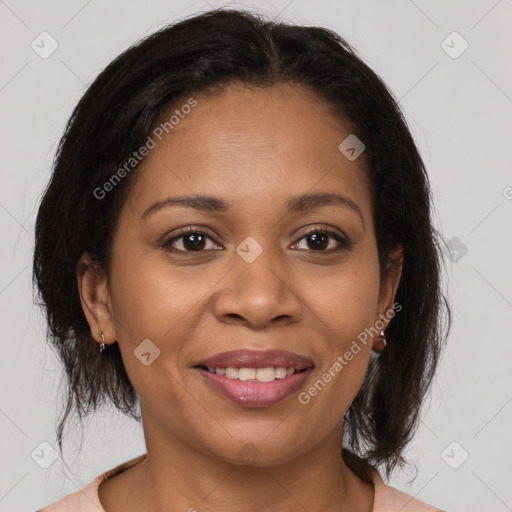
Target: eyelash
(344,243)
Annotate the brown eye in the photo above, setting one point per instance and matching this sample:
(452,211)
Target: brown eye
(317,240)
(189,241)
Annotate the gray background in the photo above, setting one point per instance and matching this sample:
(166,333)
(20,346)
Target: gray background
(459,110)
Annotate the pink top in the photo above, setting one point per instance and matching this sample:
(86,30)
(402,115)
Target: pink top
(387,499)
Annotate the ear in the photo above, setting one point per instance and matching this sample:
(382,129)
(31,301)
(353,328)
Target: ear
(389,285)
(95,299)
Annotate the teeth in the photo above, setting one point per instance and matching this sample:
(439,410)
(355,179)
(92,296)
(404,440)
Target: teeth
(246,373)
(282,372)
(231,373)
(267,374)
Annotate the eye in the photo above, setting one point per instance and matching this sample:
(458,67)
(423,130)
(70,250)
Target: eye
(319,240)
(193,240)
(189,240)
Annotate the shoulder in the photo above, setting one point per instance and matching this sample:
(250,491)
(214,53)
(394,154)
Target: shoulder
(389,499)
(84,500)
(386,499)
(87,499)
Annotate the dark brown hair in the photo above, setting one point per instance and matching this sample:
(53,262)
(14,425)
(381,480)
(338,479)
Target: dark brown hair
(114,118)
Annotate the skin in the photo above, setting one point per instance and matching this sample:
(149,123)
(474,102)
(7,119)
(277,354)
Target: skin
(254,148)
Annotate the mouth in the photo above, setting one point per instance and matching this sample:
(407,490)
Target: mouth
(253,378)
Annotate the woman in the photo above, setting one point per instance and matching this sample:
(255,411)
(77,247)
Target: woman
(237,238)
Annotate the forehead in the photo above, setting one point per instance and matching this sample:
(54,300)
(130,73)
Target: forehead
(253,145)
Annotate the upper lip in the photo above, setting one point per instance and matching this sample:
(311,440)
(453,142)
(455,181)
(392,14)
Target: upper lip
(257,359)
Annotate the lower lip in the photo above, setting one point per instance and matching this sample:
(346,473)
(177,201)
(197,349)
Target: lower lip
(255,394)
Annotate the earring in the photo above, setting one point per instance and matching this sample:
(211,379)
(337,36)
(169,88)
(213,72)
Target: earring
(381,344)
(102,345)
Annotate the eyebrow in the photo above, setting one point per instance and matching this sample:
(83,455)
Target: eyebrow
(299,204)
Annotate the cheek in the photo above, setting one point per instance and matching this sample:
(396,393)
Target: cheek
(345,363)
(152,301)
(346,322)
(345,308)
(149,298)
(150,306)
(346,300)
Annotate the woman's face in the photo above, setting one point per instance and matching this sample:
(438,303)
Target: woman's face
(248,277)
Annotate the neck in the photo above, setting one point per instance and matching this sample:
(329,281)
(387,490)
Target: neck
(178,476)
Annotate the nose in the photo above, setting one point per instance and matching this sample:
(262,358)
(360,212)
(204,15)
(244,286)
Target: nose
(257,294)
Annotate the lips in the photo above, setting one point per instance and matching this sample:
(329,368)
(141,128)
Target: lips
(255,378)
(257,359)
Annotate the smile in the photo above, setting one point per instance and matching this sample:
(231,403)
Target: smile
(255,378)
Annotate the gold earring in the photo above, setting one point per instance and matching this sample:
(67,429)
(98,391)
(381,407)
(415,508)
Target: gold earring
(102,344)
